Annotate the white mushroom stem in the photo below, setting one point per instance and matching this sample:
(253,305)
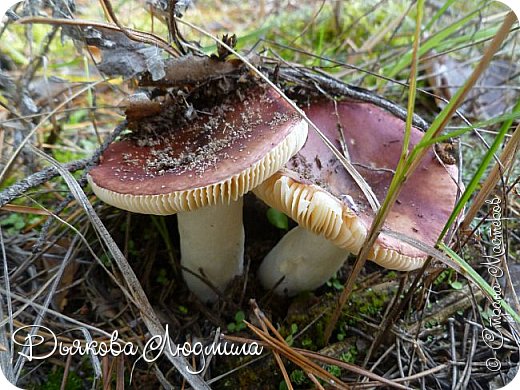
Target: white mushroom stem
(212,240)
(305,260)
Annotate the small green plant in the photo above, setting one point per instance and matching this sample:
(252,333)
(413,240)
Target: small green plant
(239,323)
(342,332)
(448,277)
(307,342)
(335,283)
(105,259)
(456,285)
(283,386)
(132,250)
(334,370)
(350,356)
(442,277)
(162,278)
(298,377)
(370,302)
(486,314)
(431,324)
(55,378)
(15,222)
(290,338)
(278,219)
(77,116)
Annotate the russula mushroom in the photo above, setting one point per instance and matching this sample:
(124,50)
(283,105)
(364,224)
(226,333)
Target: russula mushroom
(334,216)
(201,170)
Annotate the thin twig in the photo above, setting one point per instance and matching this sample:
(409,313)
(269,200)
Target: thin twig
(135,35)
(259,315)
(451,326)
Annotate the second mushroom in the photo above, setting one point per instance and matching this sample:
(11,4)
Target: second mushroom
(333,215)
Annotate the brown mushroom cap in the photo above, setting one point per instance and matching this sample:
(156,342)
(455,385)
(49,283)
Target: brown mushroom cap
(215,159)
(315,189)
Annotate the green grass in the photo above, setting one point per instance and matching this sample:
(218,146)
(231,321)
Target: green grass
(479,280)
(455,27)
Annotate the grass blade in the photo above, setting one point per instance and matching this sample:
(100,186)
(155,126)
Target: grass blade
(473,184)
(479,281)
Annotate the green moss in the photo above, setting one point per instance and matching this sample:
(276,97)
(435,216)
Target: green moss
(55,378)
(350,356)
(14,223)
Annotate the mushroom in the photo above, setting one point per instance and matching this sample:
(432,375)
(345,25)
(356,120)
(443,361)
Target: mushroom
(334,216)
(201,170)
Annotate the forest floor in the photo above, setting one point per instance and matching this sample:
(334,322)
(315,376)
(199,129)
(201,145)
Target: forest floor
(422,329)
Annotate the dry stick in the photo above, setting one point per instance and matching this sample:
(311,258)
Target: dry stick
(352,368)
(289,352)
(35,64)
(6,359)
(136,35)
(175,34)
(326,360)
(129,34)
(136,290)
(237,368)
(447,311)
(381,214)
(360,371)
(310,23)
(463,381)
(360,181)
(341,131)
(18,189)
(24,210)
(451,322)
(265,321)
(297,358)
(10,17)
(382,357)
(260,317)
(66,372)
(399,359)
(315,381)
(61,316)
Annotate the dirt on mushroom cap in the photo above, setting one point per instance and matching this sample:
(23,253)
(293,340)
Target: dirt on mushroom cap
(219,156)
